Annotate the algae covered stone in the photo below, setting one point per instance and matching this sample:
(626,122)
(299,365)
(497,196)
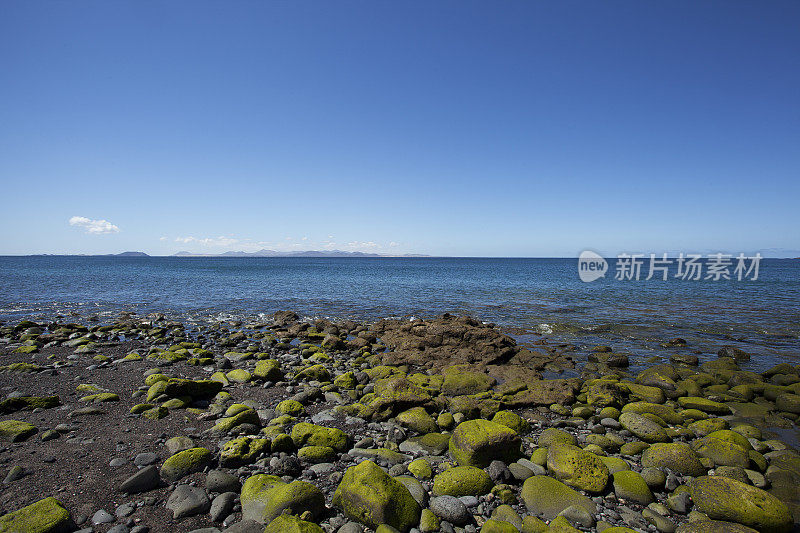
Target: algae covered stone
(306,434)
(287,523)
(462,481)
(479,442)
(630,485)
(577,468)
(722,498)
(296,497)
(512,420)
(459,381)
(16,430)
(45,516)
(196,389)
(677,456)
(184,463)
(242,451)
(28,402)
(369,495)
(643,427)
(546,497)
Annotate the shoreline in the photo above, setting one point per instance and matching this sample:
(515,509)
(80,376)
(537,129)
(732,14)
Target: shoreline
(399,391)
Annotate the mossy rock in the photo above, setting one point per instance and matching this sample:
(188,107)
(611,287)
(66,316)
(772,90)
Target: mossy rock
(13,405)
(306,434)
(513,421)
(577,468)
(701,428)
(268,370)
(184,463)
(290,407)
(313,373)
(664,412)
(16,430)
(724,448)
(100,398)
(87,388)
(677,456)
(643,427)
(370,496)
(239,375)
(140,408)
(462,481)
(645,393)
(494,525)
(633,448)
(246,416)
(287,523)
(428,522)
(45,516)
(546,497)
(702,404)
(703,525)
(474,406)
(346,380)
(21,367)
(459,381)
(152,379)
(201,389)
(254,495)
(479,442)
(296,498)
(420,468)
(27,349)
(156,413)
(630,485)
(552,436)
(418,419)
(560,524)
(384,455)
(317,454)
(614,464)
(243,451)
(722,498)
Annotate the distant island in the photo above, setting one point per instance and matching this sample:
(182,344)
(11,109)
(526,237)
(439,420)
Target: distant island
(306,253)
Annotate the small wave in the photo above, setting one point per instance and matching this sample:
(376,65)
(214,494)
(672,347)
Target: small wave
(544,329)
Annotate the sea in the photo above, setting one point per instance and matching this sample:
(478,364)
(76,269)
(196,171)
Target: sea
(534,300)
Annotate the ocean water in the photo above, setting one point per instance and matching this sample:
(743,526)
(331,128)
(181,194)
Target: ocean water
(532,298)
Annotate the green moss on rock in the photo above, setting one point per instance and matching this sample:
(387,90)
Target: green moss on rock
(287,523)
(45,516)
(677,456)
(721,498)
(184,463)
(462,481)
(577,468)
(479,442)
(16,430)
(242,451)
(545,496)
(370,496)
(306,434)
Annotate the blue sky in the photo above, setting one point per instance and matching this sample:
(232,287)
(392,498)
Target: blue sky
(446,128)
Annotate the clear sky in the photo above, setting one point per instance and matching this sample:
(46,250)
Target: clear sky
(510,128)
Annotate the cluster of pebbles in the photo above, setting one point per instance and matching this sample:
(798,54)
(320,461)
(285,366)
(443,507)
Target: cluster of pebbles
(425,425)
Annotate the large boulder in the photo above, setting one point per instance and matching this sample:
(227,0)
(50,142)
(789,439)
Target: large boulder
(546,497)
(722,498)
(677,456)
(369,495)
(479,442)
(45,516)
(264,498)
(644,428)
(577,468)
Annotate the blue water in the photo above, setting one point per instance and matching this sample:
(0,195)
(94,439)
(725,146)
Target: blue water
(531,297)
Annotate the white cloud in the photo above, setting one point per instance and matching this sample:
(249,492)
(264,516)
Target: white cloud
(162,239)
(208,241)
(95,227)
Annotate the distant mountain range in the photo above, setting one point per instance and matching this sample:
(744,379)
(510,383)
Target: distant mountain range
(306,253)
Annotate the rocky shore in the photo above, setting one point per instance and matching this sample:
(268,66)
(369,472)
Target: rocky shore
(292,426)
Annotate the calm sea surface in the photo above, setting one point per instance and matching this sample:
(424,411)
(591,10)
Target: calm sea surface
(535,297)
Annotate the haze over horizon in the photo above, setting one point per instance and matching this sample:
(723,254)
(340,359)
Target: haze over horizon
(448,129)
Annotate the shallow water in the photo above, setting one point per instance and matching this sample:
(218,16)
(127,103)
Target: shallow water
(536,297)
